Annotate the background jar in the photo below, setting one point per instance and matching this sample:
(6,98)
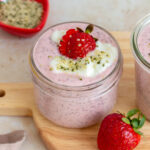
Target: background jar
(142,70)
(76,106)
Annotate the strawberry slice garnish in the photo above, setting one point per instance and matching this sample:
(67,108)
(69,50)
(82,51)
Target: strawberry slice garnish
(76,43)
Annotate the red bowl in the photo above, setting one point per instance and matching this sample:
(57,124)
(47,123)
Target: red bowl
(22,32)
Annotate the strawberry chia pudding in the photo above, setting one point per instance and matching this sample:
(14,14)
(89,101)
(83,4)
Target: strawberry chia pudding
(140,43)
(75,68)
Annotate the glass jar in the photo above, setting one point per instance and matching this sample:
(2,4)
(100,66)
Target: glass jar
(76,106)
(142,69)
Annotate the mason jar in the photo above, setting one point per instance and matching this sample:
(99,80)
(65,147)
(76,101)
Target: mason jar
(76,106)
(140,45)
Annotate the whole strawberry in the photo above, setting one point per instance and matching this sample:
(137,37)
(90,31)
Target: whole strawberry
(120,132)
(76,43)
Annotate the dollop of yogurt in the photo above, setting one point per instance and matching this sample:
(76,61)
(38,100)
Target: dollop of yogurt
(94,63)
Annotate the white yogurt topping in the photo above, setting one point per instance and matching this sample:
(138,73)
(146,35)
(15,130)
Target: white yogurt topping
(57,35)
(94,63)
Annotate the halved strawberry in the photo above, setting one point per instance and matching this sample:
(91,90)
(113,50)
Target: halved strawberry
(79,45)
(76,43)
(65,39)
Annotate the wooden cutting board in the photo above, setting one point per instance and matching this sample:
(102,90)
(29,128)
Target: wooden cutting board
(19,101)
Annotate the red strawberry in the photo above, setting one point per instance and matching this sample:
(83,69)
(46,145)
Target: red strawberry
(118,132)
(76,43)
(65,40)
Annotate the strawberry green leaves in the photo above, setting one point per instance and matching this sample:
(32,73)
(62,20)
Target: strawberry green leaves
(137,131)
(136,123)
(95,39)
(132,112)
(126,120)
(141,121)
(79,29)
(89,28)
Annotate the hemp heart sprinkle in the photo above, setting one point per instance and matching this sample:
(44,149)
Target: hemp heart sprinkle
(21,13)
(71,65)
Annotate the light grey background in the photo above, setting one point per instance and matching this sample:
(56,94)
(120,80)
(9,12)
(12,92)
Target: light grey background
(114,15)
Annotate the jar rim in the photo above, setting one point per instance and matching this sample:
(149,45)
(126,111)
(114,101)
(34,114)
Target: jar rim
(134,38)
(40,76)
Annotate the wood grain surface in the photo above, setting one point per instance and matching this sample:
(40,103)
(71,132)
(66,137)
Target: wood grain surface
(19,101)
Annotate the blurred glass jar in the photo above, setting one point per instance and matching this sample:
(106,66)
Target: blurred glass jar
(142,66)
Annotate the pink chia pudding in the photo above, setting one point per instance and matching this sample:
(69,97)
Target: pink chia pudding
(140,43)
(80,92)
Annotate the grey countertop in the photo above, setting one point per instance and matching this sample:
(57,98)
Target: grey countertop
(113,15)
